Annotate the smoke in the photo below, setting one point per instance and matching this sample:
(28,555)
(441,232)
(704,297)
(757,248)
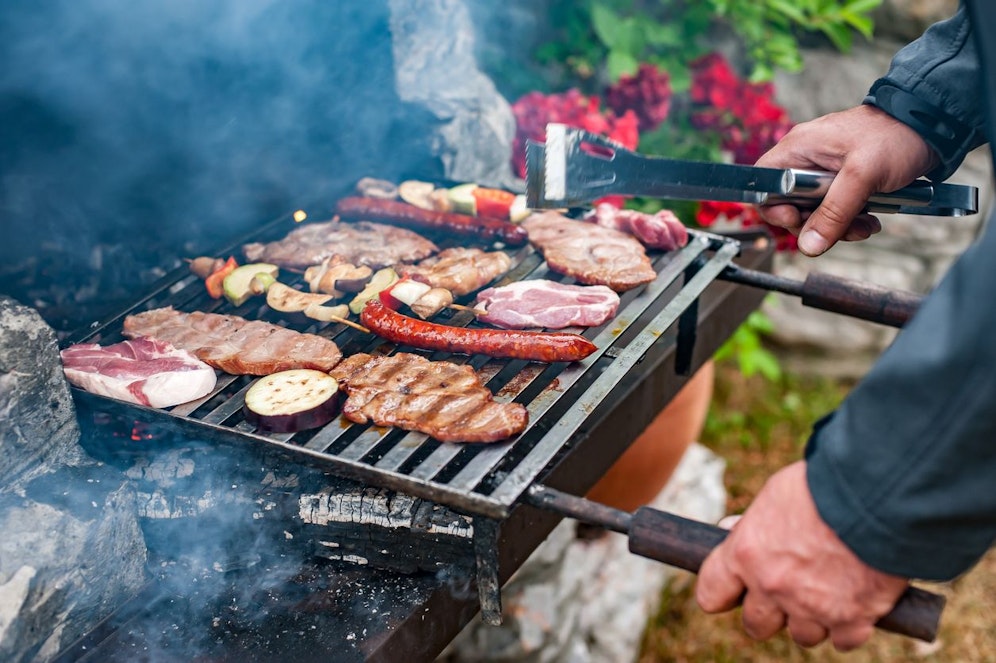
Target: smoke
(185,123)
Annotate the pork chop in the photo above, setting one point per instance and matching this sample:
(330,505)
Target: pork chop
(233,344)
(444,400)
(548,304)
(590,253)
(459,270)
(375,245)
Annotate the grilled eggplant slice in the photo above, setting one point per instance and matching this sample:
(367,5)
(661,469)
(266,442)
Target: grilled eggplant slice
(291,401)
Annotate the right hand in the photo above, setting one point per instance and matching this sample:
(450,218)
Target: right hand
(869,150)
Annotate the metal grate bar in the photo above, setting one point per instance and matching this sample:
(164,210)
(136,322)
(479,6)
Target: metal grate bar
(522,476)
(228,408)
(224,379)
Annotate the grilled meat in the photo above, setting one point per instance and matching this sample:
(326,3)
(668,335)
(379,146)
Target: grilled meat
(233,344)
(459,270)
(143,371)
(590,253)
(662,230)
(441,399)
(364,243)
(542,303)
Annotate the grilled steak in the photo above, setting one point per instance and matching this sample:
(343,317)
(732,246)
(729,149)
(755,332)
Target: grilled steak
(441,399)
(143,371)
(234,344)
(459,270)
(661,231)
(590,253)
(364,243)
(542,303)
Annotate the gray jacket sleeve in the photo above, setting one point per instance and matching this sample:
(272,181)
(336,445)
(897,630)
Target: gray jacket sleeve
(905,470)
(933,86)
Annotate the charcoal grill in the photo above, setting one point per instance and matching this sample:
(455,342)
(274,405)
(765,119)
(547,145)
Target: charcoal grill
(566,402)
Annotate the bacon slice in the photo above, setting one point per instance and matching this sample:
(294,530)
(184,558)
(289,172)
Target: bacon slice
(375,245)
(662,230)
(548,304)
(590,253)
(143,371)
(233,344)
(459,270)
(441,399)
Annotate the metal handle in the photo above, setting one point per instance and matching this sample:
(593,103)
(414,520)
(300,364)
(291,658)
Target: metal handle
(686,543)
(920,197)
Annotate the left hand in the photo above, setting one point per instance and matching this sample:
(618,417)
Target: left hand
(795,571)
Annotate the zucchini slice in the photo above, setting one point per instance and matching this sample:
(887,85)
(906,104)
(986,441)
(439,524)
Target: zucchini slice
(291,401)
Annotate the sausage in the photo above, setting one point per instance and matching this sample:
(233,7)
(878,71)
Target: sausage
(400,213)
(535,346)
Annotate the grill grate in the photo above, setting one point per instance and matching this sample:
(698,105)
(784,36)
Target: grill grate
(486,479)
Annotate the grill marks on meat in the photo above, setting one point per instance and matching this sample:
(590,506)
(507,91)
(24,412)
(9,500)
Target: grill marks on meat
(661,231)
(444,400)
(375,245)
(143,371)
(233,344)
(548,304)
(590,253)
(459,270)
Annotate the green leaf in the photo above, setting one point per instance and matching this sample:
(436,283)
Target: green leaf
(863,6)
(608,26)
(839,35)
(862,24)
(789,9)
(619,63)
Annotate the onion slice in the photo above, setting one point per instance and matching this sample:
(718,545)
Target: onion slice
(291,401)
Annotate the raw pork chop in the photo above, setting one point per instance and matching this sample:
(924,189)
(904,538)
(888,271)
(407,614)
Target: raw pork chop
(143,371)
(234,344)
(438,398)
(590,253)
(542,303)
(364,243)
(661,231)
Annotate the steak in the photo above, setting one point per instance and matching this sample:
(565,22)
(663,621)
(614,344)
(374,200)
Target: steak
(459,270)
(548,304)
(444,400)
(233,344)
(143,371)
(590,253)
(364,243)
(662,230)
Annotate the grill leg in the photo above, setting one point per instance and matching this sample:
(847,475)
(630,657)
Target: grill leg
(486,553)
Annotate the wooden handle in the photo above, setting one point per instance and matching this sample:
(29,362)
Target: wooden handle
(685,544)
(859,299)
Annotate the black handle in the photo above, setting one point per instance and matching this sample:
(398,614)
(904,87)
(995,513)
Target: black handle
(835,293)
(685,544)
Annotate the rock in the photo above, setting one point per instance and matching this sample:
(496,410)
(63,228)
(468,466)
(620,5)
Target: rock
(68,558)
(907,19)
(471,125)
(38,429)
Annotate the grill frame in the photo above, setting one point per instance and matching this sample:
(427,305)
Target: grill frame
(485,480)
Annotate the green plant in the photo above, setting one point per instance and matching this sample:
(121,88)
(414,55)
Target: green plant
(612,37)
(746,347)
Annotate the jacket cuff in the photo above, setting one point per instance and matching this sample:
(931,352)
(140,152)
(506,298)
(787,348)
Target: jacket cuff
(950,138)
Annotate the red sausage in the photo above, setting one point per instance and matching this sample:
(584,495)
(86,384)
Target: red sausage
(400,213)
(534,346)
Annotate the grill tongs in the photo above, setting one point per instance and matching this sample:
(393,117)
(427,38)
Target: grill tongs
(685,543)
(575,167)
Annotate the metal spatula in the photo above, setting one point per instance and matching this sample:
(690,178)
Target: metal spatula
(575,167)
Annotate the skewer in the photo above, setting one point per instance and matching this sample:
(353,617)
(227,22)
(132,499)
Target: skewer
(471,309)
(349,323)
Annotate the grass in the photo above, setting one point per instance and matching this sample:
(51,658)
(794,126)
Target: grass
(758,427)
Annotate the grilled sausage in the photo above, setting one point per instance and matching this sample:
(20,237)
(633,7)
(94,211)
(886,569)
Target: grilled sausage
(400,213)
(535,346)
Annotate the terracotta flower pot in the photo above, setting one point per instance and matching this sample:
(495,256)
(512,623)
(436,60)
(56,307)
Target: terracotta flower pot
(644,469)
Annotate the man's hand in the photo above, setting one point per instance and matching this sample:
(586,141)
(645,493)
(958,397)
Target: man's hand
(795,571)
(869,150)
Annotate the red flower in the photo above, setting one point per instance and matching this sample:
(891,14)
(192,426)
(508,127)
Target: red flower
(534,110)
(648,94)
